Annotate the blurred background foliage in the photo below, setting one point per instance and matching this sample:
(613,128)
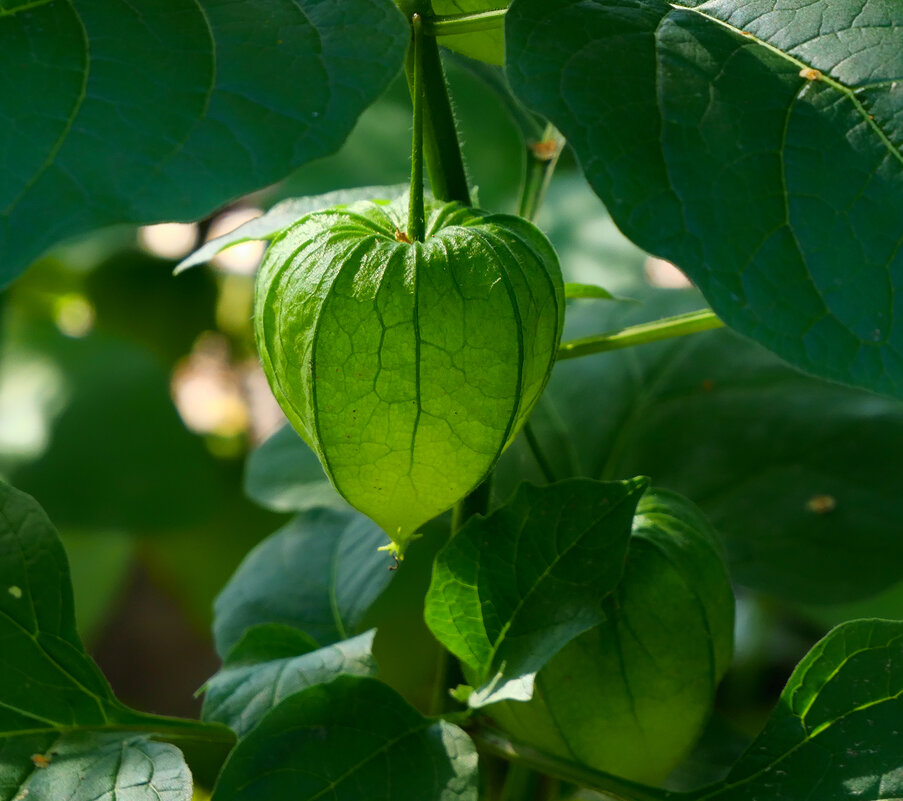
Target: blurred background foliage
(129,401)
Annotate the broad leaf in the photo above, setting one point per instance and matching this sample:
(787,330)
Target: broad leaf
(153,111)
(271,662)
(785,466)
(353,738)
(835,734)
(510,590)
(284,214)
(284,474)
(631,696)
(756,145)
(92,767)
(49,687)
(320,574)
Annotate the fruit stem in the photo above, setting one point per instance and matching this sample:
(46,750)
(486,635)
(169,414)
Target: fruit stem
(416,221)
(441,148)
(666,328)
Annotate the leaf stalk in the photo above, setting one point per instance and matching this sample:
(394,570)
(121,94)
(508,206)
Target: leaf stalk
(666,328)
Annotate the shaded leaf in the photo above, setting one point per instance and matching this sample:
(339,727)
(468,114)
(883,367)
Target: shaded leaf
(785,466)
(631,696)
(353,738)
(319,573)
(271,662)
(510,590)
(154,111)
(835,734)
(754,145)
(284,474)
(283,215)
(572,291)
(93,767)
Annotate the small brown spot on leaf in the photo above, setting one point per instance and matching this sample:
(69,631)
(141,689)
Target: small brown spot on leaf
(821,504)
(810,74)
(401,236)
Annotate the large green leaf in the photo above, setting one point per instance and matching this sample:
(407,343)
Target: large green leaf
(156,110)
(273,661)
(790,470)
(512,589)
(756,145)
(835,734)
(320,573)
(353,739)
(631,695)
(51,692)
(93,767)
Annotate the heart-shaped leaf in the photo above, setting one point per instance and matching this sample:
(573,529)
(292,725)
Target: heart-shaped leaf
(147,111)
(756,145)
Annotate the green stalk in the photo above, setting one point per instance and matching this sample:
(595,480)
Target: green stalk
(538,455)
(416,221)
(666,328)
(490,741)
(440,136)
(542,157)
(493,20)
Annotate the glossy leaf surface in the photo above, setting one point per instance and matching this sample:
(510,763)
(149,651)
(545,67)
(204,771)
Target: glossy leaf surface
(785,466)
(835,734)
(510,590)
(353,739)
(319,574)
(487,45)
(272,662)
(631,696)
(165,110)
(93,767)
(756,145)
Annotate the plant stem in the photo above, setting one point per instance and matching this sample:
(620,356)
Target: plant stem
(493,20)
(520,783)
(440,136)
(493,742)
(542,156)
(666,328)
(416,222)
(538,455)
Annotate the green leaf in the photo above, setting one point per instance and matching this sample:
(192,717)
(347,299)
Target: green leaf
(166,110)
(785,466)
(282,216)
(485,45)
(631,696)
(320,574)
(49,686)
(89,767)
(271,662)
(835,734)
(754,145)
(284,474)
(510,590)
(353,738)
